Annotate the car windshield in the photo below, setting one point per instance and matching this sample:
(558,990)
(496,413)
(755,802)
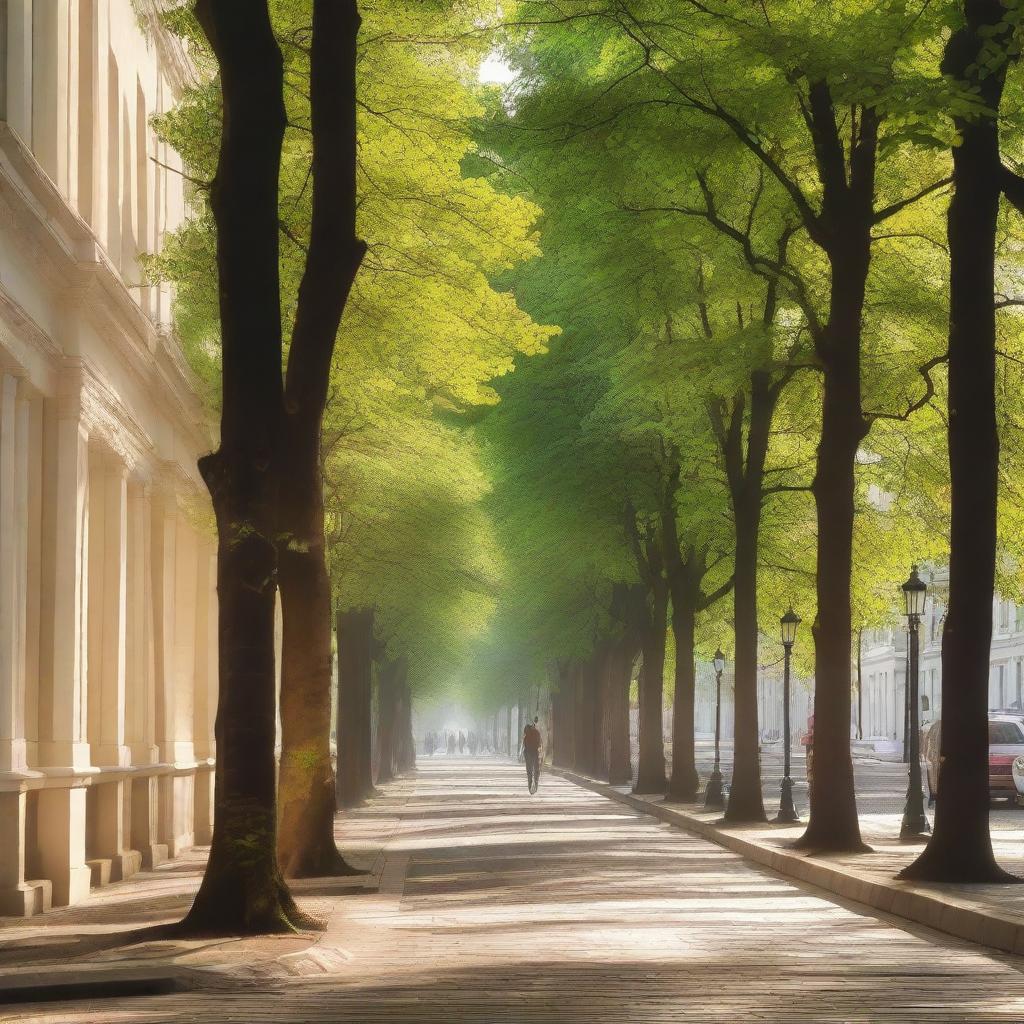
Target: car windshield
(1004,732)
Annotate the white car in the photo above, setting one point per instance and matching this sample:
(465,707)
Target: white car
(1005,756)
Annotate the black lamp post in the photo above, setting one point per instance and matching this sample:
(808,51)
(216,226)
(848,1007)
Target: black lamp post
(915,824)
(787,812)
(713,794)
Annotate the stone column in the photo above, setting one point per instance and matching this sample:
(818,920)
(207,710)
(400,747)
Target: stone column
(108,622)
(107,692)
(19,68)
(13,571)
(140,695)
(16,896)
(63,747)
(140,721)
(205,703)
(54,62)
(165,557)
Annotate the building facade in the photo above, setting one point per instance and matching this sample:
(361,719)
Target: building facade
(884,667)
(107,602)
(878,706)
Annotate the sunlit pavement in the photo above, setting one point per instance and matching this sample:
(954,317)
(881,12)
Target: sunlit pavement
(498,906)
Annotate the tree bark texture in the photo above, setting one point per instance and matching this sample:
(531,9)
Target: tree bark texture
(684,783)
(242,888)
(390,678)
(833,823)
(306,785)
(354,631)
(651,757)
(960,848)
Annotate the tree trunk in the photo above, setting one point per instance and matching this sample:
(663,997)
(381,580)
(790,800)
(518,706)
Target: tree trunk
(306,787)
(306,844)
(599,688)
(684,784)
(407,742)
(389,679)
(745,799)
(651,759)
(960,848)
(833,823)
(564,735)
(618,676)
(583,712)
(355,706)
(242,888)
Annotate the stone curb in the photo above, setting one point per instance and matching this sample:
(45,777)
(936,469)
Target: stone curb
(921,904)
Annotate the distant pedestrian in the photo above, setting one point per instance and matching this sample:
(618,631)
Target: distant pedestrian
(429,744)
(451,744)
(462,742)
(531,754)
(473,742)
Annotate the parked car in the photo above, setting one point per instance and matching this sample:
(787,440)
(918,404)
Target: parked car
(1005,745)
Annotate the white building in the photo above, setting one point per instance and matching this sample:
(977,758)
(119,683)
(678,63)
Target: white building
(884,667)
(107,608)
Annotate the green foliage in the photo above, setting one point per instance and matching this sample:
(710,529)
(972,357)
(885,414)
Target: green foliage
(425,332)
(483,511)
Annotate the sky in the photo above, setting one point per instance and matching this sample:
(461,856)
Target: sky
(495,70)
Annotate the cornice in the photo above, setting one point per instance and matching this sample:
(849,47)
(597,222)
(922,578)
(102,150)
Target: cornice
(66,254)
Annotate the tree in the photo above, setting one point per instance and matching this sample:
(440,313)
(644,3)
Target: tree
(434,235)
(976,59)
(817,127)
(306,788)
(242,888)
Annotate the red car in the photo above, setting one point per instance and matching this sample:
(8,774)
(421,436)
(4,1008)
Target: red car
(1005,744)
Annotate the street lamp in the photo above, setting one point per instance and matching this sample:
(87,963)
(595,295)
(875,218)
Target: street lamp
(915,824)
(713,794)
(787,812)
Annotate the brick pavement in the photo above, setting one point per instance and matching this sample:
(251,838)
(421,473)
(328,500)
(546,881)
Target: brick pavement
(497,906)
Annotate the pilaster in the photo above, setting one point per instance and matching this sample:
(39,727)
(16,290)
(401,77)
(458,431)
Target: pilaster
(13,571)
(62,843)
(65,743)
(19,68)
(107,690)
(140,695)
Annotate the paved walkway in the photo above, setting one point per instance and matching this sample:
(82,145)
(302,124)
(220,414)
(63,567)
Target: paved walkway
(496,906)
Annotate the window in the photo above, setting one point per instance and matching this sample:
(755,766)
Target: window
(1004,733)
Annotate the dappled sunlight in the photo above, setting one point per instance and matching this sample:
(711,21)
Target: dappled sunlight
(566,906)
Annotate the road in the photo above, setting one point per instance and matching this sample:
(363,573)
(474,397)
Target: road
(497,906)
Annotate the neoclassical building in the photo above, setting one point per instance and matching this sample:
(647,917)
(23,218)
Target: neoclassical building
(107,603)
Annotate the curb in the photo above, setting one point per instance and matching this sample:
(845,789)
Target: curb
(926,905)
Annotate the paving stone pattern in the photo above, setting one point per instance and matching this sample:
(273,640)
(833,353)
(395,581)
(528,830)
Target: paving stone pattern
(497,906)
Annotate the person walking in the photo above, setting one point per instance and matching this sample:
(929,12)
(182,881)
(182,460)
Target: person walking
(462,742)
(531,754)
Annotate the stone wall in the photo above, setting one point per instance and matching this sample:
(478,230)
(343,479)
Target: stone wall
(107,602)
